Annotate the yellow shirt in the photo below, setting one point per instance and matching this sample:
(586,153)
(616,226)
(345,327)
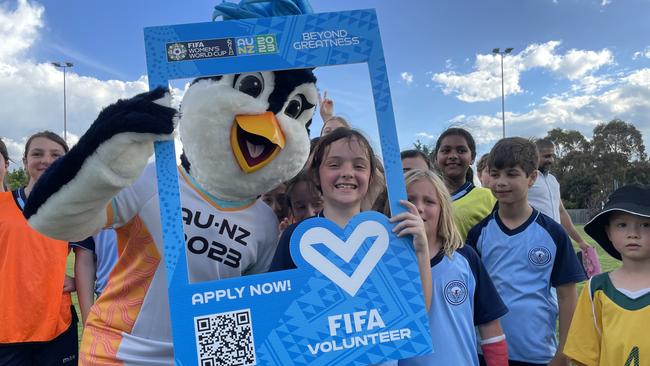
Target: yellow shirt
(471,208)
(608,327)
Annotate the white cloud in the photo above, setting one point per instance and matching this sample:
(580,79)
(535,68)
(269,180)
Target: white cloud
(39,87)
(18,28)
(425,135)
(449,65)
(605,2)
(578,63)
(407,77)
(628,100)
(35,90)
(639,77)
(591,84)
(484,83)
(645,53)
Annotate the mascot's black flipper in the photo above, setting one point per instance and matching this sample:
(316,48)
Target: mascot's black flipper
(108,157)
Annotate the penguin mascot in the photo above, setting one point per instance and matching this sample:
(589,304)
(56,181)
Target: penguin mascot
(242,135)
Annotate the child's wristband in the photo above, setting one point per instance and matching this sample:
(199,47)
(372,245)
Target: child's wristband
(492,340)
(495,351)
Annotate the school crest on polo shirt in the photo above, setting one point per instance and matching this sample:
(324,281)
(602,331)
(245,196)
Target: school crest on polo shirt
(456,292)
(539,256)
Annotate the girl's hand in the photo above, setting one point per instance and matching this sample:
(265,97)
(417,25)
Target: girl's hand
(68,284)
(326,106)
(410,223)
(284,224)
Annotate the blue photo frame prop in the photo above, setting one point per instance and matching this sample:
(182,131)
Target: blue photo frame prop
(341,306)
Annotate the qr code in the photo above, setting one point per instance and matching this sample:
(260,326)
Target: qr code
(225,339)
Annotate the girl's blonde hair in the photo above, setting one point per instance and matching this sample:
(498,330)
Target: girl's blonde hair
(447,230)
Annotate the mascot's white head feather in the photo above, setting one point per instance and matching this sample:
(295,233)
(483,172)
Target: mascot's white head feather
(244,134)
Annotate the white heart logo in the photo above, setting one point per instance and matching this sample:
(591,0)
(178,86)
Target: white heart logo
(346,251)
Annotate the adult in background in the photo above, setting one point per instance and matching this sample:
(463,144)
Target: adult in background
(544,195)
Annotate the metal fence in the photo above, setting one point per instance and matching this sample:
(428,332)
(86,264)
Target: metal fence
(579,216)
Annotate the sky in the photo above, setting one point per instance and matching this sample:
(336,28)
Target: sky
(575,64)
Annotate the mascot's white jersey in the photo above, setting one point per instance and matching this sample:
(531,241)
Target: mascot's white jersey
(132,315)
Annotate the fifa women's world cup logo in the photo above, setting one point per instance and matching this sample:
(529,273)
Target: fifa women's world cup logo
(176,51)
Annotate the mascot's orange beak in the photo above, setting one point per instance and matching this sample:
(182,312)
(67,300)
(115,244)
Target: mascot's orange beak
(256,140)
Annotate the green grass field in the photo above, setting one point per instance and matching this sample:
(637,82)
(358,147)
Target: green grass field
(608,263)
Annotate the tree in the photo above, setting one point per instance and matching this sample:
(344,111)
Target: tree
(17,178)
(576,175)
(425,148)
(619,137)
(639,172)
(589,171)
(567,141)
(579,189)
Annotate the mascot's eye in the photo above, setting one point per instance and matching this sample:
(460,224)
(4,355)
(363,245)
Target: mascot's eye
(297,105)
(251,84)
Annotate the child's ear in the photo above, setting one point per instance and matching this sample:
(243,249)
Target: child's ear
(532,178)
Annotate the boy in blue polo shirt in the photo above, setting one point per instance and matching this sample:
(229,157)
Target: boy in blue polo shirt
(529,258)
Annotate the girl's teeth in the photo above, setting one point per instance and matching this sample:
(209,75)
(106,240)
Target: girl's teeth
(344,186)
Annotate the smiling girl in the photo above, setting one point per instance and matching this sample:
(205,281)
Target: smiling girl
(343,170)
(462,294)
(38,326)
(454,153)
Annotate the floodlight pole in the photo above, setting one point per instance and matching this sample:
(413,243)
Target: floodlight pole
(503,96)
(64,66)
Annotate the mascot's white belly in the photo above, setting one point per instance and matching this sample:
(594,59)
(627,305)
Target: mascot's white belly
(132,315)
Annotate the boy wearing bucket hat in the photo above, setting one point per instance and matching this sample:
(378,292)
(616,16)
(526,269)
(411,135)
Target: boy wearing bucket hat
(610,324)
